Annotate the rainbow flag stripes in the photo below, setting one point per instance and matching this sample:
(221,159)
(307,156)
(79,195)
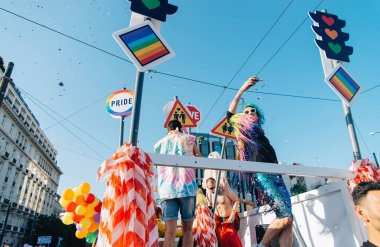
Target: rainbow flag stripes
(144,45)
(343,84)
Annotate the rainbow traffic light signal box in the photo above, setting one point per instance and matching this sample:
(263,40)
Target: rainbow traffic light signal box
(329,28)
(144,45)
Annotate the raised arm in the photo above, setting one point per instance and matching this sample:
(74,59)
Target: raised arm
(248,84)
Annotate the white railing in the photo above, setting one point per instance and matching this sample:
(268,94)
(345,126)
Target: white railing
(247,166)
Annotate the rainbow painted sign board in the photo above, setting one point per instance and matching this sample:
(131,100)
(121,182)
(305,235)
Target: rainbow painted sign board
(343,84)
(144,45)
(120,103)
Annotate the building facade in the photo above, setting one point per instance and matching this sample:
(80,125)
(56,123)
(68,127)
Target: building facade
(29,175)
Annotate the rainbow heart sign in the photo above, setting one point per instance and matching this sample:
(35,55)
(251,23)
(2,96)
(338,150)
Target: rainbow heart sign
(343,84)
(144,45)
(120,103)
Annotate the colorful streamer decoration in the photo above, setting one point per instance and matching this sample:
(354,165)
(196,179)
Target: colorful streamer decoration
(128,215)
(364,172)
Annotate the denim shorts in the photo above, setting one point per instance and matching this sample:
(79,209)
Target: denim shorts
(186,206)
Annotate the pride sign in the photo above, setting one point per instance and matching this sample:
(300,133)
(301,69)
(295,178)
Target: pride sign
(343,84)
(143,45)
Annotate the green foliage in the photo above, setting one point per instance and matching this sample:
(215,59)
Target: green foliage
(297,188)
(52,226)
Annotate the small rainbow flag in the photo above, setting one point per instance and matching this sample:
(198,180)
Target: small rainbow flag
(343,84)
(144,44)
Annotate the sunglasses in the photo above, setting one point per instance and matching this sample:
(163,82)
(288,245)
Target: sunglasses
(212,188)
(253,110)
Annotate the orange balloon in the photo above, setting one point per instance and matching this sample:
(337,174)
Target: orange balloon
(81,234)
(77,218)
(93,227)
(80,200)
(89,211)
(85,188)
(71,207)
(68,194)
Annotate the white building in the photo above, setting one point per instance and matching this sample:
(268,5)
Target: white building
(29,175)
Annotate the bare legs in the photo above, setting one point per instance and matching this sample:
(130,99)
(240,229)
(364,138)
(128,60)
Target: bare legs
(171,227)
(281,229)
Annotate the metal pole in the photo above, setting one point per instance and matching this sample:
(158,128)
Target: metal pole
(5,224)
(121,130)
(374,156)
(5,81)
(136,108)
(350,127)
(218,177)
(121,140)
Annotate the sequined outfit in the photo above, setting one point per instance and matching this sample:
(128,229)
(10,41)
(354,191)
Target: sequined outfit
(252,145)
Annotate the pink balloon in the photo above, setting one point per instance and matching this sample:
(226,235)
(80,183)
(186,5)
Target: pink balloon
(78,227)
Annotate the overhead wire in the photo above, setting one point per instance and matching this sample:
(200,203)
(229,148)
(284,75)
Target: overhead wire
(246,60)
(37,103)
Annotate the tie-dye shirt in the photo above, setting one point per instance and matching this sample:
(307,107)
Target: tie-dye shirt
(176,182)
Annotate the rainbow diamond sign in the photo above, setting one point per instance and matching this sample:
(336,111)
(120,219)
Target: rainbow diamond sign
(120,103)
(144,45)
(343,84)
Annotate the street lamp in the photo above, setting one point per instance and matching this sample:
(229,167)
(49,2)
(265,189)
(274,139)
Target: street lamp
(374,133)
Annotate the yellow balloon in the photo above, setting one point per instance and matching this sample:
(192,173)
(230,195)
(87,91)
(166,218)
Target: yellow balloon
(67,218)
(89,211)
(80,210)
(77,192)
(68,194)
(63,202)
(95,202)
(81,234)
(85,223)
(85,188)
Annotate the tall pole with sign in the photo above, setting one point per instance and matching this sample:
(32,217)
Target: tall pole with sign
(145,48)
(331,41)
(120,105)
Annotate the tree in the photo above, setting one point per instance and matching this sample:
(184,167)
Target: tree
(53,226)
(2,68)
(298,188)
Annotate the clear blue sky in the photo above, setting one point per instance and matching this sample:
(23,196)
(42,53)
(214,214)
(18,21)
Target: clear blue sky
(212,39)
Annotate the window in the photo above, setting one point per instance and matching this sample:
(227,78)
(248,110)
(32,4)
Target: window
(3,120)
(12,127)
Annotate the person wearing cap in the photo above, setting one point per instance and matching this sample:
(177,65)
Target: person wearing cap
(253,145)
(366,197)
(177,186)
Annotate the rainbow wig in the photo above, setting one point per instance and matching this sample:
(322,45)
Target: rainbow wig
(259,112)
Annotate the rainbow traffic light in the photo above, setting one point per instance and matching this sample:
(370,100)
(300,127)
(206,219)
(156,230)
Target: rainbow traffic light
(332,40)
(157,9)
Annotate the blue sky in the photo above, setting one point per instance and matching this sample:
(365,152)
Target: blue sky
(212,40)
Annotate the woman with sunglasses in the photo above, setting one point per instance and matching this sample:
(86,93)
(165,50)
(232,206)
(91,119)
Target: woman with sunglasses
(252,145)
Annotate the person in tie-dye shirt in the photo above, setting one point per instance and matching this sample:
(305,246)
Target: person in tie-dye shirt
(177,186)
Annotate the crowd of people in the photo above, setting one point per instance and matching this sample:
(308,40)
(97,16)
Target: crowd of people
(178,189)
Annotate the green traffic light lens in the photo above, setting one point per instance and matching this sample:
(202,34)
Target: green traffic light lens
(151,4)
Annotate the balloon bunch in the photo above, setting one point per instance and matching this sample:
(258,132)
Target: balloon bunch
(83,209)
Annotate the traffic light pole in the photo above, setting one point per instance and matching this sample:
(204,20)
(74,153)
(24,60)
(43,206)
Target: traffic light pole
(350,127)
(135,121)
(5,81)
